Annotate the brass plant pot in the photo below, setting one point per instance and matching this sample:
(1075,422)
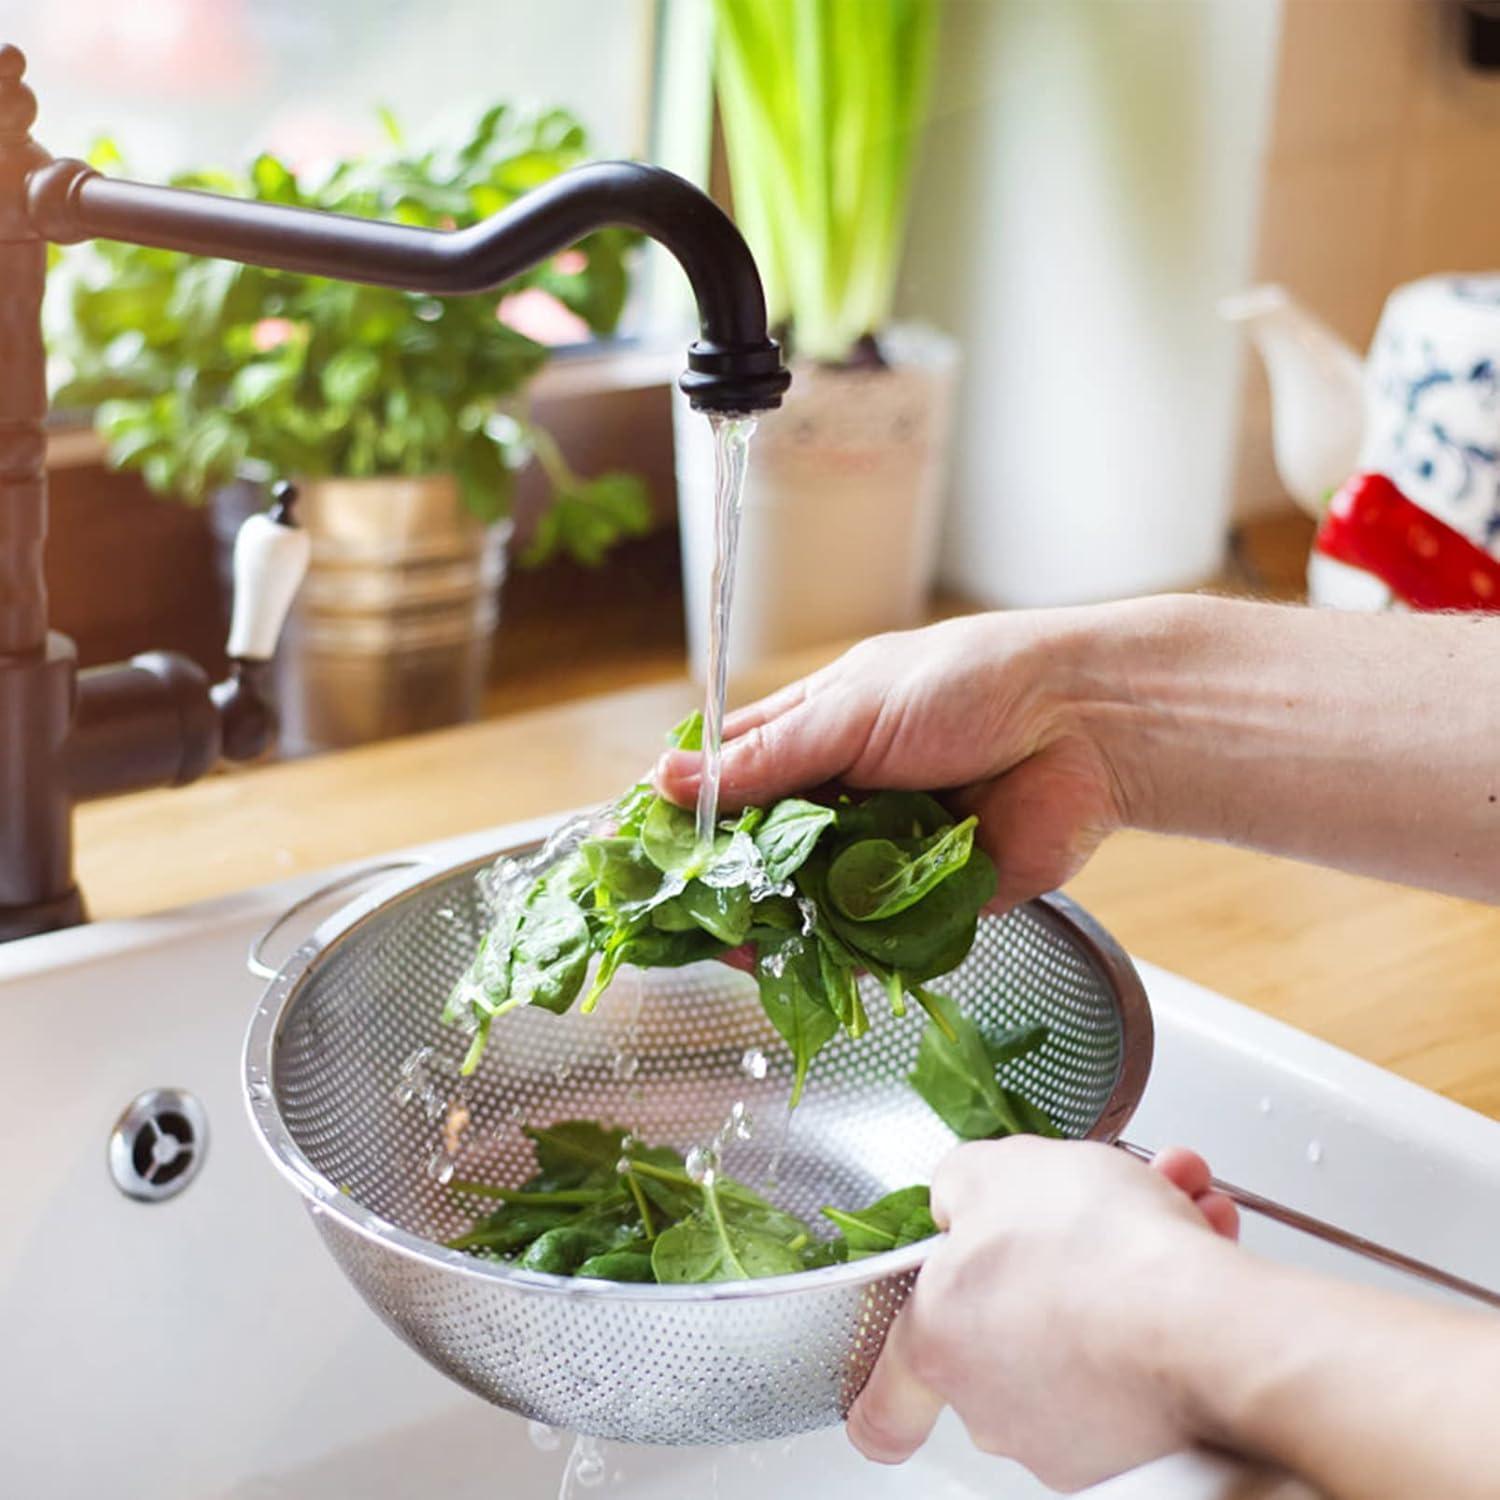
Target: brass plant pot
(392,631)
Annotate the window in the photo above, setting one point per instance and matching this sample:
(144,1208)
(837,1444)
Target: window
(199,82)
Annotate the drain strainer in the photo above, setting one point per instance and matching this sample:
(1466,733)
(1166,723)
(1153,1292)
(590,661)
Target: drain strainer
(158,1144)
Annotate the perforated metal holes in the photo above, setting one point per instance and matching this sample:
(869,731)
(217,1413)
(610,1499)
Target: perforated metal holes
(358,1128)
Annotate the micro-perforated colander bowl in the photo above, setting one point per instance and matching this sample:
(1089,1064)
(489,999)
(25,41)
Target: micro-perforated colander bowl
(354,1115)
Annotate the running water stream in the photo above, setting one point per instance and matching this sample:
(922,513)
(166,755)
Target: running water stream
(732,436)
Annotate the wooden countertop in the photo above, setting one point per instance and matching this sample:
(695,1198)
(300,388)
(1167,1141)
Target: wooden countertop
(1408,980)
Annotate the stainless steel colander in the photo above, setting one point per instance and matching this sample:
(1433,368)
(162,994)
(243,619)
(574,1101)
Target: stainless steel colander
(354,1112)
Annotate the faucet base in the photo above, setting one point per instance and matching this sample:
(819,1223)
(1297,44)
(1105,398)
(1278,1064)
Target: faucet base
(46,916)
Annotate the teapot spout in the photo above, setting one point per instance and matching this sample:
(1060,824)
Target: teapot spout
(1317,392)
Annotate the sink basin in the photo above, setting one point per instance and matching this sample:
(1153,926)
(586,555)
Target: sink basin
(207,1346)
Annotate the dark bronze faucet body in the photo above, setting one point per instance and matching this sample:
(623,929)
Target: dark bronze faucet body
(67,735)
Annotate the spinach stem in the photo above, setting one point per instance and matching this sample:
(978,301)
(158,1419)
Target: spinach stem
(640,1203)
(935,1011)
(560,1196)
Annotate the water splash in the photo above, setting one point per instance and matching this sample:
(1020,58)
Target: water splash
(543,1437)
(741,1125)
(732,436)
(773,1171)
(702,1164)
(585,1470)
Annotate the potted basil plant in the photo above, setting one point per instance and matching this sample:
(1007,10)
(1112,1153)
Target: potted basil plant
(401,417)
(822,106)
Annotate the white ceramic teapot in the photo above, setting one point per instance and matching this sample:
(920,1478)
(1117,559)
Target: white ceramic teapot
(1423,410)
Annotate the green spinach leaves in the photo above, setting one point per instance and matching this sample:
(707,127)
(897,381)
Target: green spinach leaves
(820,892)
(601,1206)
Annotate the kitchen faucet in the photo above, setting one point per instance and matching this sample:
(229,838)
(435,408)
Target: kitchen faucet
(66,735)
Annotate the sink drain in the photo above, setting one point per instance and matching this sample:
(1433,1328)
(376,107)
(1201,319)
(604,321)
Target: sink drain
(158,1144)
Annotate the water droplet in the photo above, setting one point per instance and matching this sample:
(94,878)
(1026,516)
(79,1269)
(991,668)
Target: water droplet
(542,1436)
(434,1106)
(741,1124)
(1314,1152)
(562,1072)
(1265,1105)
(623,1166)
(701,1164)
(446,914)
(416,1062)
(753,1064)
(586,1464)
(440,1167)
(626,1066)
(260,1093)
(514,1112)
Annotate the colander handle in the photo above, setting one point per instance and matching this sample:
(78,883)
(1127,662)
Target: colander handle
(255,959)
(1331,1234)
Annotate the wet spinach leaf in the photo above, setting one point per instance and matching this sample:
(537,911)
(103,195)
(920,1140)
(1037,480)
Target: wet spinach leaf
(714,1247)
(956,1076)
(790,976)
(789,834)
(721,911)
(618,1265)
(550,954)
(562,1250)
(899,1218)
(572,1150)
(874,878)
(669,838)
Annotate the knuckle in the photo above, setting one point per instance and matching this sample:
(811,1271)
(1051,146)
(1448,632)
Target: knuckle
(869,1426)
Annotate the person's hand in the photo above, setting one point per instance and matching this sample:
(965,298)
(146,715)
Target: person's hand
(978,707)
(1047,1316)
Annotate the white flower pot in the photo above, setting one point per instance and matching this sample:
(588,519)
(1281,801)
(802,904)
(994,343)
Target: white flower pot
(842,504)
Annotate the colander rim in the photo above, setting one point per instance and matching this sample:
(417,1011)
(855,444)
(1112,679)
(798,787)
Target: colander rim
(323,1197)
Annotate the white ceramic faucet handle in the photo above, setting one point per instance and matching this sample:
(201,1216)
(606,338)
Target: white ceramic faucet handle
(270,560)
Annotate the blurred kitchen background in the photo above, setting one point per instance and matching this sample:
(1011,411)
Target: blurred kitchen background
(1054,412)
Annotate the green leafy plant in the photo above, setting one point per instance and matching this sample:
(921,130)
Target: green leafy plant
(200,371)
(822,104)
(891,886)
(819,893)
(604,1206)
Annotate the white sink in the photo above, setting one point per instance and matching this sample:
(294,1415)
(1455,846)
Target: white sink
(207,1345)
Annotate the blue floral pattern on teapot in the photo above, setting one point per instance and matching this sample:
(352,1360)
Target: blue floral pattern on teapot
(1432,401)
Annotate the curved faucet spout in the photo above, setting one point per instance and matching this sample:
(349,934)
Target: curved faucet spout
(734,366)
